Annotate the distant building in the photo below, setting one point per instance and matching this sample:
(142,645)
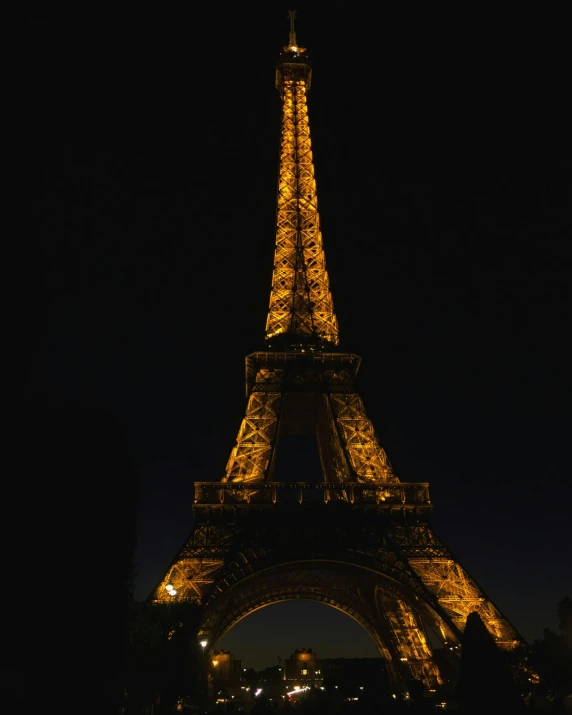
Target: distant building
(303,667)
(224,668)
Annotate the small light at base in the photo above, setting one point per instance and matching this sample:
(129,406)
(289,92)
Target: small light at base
(297,690)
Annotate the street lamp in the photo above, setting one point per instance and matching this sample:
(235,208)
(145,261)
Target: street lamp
(203,645)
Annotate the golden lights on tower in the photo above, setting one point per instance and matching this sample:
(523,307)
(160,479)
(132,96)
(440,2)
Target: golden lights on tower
(300,301)
(321,382)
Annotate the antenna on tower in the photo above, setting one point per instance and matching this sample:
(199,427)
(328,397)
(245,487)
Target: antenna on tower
(292,37)
(292,45)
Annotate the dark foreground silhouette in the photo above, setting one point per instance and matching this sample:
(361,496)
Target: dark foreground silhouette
(68,544)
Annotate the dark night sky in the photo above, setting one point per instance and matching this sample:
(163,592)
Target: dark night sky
(443,170)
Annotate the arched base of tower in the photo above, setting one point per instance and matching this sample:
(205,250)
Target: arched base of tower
(380,606)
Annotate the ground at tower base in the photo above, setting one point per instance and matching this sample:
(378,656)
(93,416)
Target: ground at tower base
(536,678)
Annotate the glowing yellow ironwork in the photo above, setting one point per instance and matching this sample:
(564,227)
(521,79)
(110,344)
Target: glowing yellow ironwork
(191,579)
(300,300)
(459,595)
(367,458)
(412,643)
(250,457)
(318,386)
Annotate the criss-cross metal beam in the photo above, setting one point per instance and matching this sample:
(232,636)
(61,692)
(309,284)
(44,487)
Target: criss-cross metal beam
(301,301)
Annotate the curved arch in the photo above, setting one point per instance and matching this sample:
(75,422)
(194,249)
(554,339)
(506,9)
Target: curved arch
(250,560)
(388,580)
(334,583)
(300,562)
(392,573)
(367,627)
(385,608)
(315,599)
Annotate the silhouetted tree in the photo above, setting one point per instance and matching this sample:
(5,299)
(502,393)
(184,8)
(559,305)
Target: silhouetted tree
(551,657)
(418,703)
(565,618)
(182,670)
(73,511)
(485,681)
(144,658)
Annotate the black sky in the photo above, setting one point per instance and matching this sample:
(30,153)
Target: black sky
(443,169)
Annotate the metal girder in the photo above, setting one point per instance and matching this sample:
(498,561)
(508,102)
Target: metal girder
(459,595)
(250,458)
(300,300)
(408,637)
(194,570)
(346,437)
(444,577)
(368,459)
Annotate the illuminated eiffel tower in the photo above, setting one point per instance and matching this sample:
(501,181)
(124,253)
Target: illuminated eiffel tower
(355,537)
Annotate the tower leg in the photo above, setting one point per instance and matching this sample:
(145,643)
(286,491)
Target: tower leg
(405,634)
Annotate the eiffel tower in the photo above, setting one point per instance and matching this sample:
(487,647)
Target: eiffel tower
(355,537)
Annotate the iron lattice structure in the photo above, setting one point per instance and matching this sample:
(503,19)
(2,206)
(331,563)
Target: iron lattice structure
(300,300)
(358,538)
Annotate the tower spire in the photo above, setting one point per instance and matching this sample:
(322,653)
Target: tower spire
(292,45)
(292,37)
(301,304)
